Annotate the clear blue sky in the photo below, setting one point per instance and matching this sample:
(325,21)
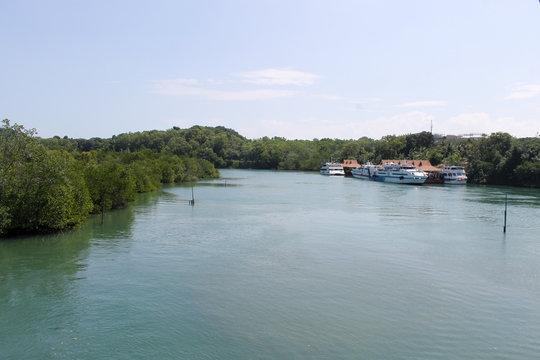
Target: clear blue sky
(296,69)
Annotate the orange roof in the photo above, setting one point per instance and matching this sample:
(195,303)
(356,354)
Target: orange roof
(424,165)
(350,163)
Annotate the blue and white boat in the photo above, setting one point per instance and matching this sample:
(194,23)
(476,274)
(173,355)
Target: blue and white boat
(364,172)
(400,174)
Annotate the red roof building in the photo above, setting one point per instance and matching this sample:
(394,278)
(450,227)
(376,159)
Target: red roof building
(350,164)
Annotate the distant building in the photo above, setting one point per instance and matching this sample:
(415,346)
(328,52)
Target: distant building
(440,137)
(350,164)
(472,136)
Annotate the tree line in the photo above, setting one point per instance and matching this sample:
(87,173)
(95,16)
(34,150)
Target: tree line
(495,159)
(45,187)
(54,183)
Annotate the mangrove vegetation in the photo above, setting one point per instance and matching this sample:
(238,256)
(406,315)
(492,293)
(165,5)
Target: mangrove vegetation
(498,159)
(49,184)
(46,187)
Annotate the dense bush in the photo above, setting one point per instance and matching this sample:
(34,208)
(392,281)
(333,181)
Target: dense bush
(54,184)
(40,189)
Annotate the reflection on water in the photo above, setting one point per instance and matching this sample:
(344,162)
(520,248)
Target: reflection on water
(282,265)
(497,195)
(40,277)
(216,184)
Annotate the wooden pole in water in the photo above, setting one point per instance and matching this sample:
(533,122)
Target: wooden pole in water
(192,202)
(505,211)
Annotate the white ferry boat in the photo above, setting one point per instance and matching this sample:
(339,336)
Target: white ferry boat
(364,172)
(454,175)
(332,169)
(400,174)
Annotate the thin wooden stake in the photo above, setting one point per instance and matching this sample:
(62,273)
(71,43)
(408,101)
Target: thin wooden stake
(192,202)
(505,211)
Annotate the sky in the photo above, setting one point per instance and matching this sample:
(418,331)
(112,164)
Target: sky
(293,69)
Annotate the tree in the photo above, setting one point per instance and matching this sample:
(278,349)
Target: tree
(16,150)
(111,185)
(418,141)
(528,174)
(351,150)
(40,190)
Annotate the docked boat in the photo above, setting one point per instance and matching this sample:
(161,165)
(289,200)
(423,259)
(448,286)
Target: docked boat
(400,174)
(332,169)
(365,171)
(454,175)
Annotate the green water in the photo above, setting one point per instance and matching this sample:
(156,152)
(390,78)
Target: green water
(283,265)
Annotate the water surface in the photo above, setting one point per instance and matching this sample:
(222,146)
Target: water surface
(283,265)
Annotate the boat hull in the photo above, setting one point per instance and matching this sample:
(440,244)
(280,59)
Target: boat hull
(400,180)
(364,173)
(455,181)
(360,175)
(333,174)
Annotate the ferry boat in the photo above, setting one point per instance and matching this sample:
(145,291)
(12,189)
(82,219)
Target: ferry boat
(365,171)
(332,169)
(400,174)
(454,175)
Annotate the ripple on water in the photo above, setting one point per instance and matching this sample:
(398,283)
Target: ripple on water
(283,265)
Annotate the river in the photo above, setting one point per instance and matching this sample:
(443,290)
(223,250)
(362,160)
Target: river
(283,265)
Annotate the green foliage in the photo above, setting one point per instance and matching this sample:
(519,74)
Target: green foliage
(435,157)
(528,173)
(54,184)
(111,185)
(115,178)
(66,200)
(490,160)
(40,189)
(415,142)
(494,159)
